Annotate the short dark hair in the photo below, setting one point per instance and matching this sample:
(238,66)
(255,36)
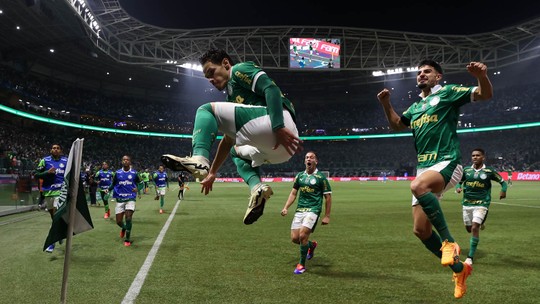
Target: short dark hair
(480,150)
(215,56)
(315,154)
(433,64)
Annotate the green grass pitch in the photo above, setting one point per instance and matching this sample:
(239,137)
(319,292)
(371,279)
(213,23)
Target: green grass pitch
(367,254)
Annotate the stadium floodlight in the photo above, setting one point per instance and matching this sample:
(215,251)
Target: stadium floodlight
(80,7)
(394,71)
(191,66)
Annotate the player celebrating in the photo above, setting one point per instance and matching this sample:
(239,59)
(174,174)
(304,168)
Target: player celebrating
(477,196)
(433,120)
(258,123)
(313,186)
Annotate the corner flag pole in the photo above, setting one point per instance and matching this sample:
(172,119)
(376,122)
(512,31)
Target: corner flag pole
(74,190)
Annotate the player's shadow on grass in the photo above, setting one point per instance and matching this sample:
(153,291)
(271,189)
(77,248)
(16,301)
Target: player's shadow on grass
(321,266)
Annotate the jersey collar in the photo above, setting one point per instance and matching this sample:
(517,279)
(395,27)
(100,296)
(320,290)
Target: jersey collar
(483,166)
(316,170)
(434,90)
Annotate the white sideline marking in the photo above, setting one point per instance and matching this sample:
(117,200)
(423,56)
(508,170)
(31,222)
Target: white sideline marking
(138,282)
(528,206)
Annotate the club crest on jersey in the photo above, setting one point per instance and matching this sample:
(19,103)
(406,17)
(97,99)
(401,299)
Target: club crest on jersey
(434,101)
(239,99)
(483,176)
(61,165)
(312,181)
(229,89)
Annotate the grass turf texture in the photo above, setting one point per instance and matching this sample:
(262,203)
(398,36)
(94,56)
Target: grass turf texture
(367,254)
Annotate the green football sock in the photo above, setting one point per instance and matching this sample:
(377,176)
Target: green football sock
(433,244)
(128,230)
(106,206)
(473,244)
(458,267)
(161,201)
(432,208)
(243,166)
(205,130)
(303,253)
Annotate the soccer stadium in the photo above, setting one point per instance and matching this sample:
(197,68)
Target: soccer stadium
(88,82)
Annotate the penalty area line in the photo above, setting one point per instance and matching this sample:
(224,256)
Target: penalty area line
(138,282)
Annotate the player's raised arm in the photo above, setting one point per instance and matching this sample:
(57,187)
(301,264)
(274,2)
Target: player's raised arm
(393,118)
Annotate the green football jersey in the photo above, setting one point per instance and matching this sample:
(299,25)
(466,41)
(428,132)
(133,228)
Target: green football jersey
(477,185)
(433,121)
(311,188)
(244,87)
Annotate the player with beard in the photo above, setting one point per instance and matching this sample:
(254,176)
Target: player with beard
(313,186)
(51,169)
(433,119)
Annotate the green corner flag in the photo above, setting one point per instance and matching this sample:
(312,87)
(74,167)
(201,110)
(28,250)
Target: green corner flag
(72,192)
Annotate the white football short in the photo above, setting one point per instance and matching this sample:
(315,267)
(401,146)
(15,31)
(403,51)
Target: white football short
(161,191)
(254,140)
(52,202)
(304,219)
(121,207)
(456,177)
(474,214)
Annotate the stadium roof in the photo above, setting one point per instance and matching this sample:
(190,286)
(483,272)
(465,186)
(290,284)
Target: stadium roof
(98,36)
(433,17)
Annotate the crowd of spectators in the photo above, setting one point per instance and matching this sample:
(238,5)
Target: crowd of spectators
(23,141)
(356,113)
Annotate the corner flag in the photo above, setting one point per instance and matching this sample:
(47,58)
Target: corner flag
(72,192)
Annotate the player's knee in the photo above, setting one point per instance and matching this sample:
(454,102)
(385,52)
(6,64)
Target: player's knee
(422,233)
(418,188)
(295,238)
